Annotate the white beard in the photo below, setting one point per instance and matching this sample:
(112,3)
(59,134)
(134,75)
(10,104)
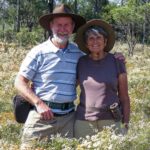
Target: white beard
(63,40)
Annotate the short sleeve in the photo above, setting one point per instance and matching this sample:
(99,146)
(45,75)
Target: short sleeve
(30,65)
(121,68)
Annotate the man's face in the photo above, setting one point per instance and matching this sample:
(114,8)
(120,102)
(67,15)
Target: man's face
(62,28)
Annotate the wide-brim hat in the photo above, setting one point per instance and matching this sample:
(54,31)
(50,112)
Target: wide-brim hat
(79,39)
(64,11)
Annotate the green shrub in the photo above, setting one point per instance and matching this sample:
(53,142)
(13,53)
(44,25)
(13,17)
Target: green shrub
(24,37)
(138,137)
(8,36)
(146,107)
(58,143)
(10,132)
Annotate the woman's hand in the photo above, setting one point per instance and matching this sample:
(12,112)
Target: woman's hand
(120,56)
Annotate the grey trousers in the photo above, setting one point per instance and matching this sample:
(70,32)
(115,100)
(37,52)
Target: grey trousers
(37,129)
(83,128)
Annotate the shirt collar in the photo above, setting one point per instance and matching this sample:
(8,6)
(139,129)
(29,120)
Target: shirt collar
(53,48)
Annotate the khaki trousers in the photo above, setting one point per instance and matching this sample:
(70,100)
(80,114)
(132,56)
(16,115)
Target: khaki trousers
(37,129)
(82,128)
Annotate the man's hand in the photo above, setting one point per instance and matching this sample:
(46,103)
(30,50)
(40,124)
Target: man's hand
(120,56)
(44,110)
(22,85)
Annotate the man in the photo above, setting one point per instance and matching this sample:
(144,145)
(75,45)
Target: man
(51,67)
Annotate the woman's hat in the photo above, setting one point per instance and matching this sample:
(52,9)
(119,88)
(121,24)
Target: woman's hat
(61,11)
(95,22)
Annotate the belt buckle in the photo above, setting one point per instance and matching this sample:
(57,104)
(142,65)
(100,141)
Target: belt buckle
(64,106)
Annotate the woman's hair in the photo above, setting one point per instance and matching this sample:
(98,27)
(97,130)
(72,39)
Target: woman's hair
(94,30)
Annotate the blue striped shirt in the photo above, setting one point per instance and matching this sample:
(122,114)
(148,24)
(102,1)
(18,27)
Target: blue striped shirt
(52,71)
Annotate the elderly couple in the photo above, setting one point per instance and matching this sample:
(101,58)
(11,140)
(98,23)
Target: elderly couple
(56,66)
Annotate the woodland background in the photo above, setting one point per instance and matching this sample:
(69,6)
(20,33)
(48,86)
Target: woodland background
(20,31)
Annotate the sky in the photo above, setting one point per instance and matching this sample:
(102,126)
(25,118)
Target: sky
(116,1)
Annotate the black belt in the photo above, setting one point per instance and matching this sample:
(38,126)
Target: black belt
(61,106)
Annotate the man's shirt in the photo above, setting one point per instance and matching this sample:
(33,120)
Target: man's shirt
(52,71)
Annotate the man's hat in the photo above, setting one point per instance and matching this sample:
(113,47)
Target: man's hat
(95,22)
(61,11)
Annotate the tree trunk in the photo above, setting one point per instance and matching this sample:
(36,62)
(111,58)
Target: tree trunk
(144,26)
(50,8)
(96,8)
(50,5)
(130,37)
(75,5)
(122,2)
(3,29)
(3,20)
(18,16)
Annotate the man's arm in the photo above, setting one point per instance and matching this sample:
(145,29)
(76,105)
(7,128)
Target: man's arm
(23,87)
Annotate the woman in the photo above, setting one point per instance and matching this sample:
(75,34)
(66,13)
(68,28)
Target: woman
(102,79)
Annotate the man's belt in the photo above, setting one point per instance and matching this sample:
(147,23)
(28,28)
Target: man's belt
(59,115)
(61,106)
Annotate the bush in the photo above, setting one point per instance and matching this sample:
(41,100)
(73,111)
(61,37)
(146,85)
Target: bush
(146,107)
(8,35)
(139,83)
(24,37)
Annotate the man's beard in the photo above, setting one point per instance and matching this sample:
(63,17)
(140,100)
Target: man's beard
(61,40)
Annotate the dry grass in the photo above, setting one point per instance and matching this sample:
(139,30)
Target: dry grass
(138,68)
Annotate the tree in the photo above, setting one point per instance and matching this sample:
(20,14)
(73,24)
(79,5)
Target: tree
(50,5)
(3,16)
(128,19)
(18,16)
(75,7)
(145,11)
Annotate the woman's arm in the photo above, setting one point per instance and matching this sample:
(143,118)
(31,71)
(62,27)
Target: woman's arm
(124,97)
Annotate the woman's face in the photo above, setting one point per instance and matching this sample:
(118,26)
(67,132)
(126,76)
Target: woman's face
(96,42)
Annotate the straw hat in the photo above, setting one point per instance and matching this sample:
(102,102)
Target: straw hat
(64,11)
(95,22)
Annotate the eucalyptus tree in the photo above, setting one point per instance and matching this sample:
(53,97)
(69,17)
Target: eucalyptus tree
(130,20)
(18,16)
(145,11)
(50,5)
(27,12)
(88,8)
(4,15)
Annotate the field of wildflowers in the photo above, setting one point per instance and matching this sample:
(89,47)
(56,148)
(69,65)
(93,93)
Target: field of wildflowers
(138,137)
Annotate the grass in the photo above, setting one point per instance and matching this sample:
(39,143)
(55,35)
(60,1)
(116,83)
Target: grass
(138,137)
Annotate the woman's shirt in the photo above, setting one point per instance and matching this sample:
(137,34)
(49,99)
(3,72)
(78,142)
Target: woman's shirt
(99,86)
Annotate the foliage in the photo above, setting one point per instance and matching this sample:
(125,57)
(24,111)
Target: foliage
(130,18)
(58,143)
(132,21)
(24,37)
(107,10)
(7,35)
(139,82)
(138,139)
(11,134)
(127,18)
